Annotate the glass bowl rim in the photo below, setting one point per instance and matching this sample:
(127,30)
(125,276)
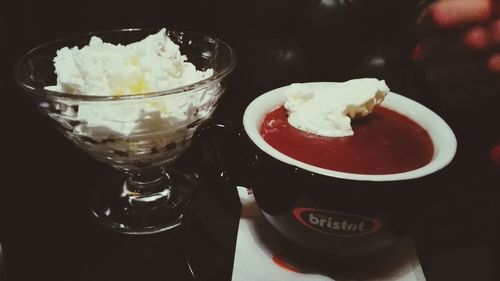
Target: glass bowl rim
(186,88)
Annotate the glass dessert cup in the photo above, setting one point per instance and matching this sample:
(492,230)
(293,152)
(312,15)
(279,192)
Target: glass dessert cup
(141,135)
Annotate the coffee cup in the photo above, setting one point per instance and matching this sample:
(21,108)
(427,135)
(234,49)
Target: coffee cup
(333,214)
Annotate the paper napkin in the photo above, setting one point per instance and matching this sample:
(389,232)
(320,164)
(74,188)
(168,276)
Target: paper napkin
(256,257)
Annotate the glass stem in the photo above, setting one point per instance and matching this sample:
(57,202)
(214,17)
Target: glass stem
(148,186)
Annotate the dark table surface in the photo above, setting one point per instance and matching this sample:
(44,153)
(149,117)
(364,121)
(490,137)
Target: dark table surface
(47,233)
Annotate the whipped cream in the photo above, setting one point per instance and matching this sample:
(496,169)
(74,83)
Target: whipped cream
(104,69)
(153,64)
(155,115)
(328,111)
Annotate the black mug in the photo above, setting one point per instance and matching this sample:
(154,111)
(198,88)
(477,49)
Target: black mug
(326,214)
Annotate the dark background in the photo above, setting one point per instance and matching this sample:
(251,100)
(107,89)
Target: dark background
(45,229)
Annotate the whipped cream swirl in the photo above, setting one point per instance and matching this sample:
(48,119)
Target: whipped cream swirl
(328,111)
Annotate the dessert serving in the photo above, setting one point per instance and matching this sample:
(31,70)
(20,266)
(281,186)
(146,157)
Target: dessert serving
(138,133)
(314,126)
(343,168)
(131,98)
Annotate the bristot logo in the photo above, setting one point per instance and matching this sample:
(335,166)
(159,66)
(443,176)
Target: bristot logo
(337,224)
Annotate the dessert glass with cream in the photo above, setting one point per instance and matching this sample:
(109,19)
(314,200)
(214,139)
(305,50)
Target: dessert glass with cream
(131,98)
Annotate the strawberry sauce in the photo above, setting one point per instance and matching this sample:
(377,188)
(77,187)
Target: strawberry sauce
(384,142)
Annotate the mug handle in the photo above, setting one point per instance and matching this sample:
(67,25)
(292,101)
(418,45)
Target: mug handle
(224,153)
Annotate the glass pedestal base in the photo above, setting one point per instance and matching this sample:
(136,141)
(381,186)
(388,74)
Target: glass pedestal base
(124,206)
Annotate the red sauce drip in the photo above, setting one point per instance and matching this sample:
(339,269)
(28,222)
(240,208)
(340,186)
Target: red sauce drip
(283,264)
(384,142)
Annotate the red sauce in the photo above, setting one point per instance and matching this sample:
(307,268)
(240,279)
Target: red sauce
(283,264)
(384,142)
